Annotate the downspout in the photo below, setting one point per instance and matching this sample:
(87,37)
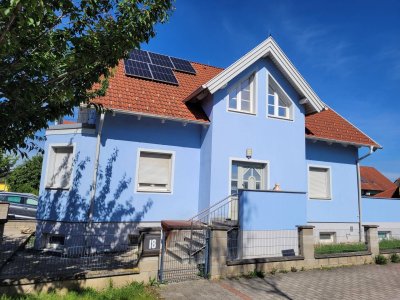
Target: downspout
(372,149)
(96,168)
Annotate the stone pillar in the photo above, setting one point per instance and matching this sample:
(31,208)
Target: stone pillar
(371,238)
(218,252)
(306,241)
(3,217)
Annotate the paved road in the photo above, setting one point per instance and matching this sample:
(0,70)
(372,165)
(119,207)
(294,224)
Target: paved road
(360,282)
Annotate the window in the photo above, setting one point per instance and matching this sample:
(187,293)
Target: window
(31,201)
(14,199)
(326,237)
(279,105)
(154,172)
(59,168)
(319,183)
(241,96)
(384,235)
(248,175)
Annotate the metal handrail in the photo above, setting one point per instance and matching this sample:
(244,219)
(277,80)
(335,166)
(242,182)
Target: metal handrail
(212,206)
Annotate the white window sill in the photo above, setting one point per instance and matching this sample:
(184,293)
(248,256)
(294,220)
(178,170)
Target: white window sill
(279,118)
(314,198)
(154,191)
(241,111)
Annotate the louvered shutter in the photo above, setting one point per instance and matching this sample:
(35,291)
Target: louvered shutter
(319,183)
(154,169)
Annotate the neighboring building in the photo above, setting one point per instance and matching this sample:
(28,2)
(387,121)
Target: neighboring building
(178,142)
(374,182)
(397,182)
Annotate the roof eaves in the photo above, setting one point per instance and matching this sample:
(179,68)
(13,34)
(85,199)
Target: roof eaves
(343,142)
(161,117)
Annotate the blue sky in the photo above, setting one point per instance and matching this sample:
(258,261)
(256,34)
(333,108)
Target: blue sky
(349,52)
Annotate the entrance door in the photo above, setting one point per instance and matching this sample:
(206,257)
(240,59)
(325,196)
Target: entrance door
(246,175)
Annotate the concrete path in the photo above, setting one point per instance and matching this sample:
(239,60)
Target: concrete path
(359,282)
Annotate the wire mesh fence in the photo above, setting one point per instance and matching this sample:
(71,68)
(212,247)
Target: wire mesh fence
(23,261)
(389,238)
(338,240)
(248,244)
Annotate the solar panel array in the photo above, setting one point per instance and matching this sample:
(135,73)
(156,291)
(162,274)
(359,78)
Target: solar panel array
(155,66)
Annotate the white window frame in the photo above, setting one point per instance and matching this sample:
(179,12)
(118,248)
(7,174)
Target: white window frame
(172,172)
(253,95)
(330,197)
(332,239)
(50,163)
(387,233)
(276,106)
(232,159)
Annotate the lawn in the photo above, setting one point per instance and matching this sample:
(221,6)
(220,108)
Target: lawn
(389,244)
(339,248)
(137,291)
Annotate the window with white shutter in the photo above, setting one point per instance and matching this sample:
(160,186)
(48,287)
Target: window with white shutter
(319,183)
(154,172)
(59,167)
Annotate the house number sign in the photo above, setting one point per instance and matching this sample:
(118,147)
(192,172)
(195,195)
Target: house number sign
(151,243)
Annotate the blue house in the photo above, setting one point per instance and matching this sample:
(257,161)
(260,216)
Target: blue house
(178,137)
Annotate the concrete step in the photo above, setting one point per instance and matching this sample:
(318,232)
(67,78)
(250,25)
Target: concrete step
(195,241)
(199,234)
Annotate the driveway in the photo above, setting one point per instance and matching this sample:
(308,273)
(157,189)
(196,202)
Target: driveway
(358,282)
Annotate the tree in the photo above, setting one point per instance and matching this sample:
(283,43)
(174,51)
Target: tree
(25,178)
(6,163)
(53,52)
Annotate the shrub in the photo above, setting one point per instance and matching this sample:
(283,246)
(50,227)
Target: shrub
(293,269)
(395,258)
(381,260)
(389,244)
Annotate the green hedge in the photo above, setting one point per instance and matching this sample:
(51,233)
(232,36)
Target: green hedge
(389,244)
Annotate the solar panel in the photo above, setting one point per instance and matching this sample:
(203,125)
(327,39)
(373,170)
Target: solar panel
(160,60)
(139,55)
(137,68)
(182,65)
(163,74)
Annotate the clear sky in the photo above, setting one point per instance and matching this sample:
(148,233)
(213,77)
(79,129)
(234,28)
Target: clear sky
(348,51)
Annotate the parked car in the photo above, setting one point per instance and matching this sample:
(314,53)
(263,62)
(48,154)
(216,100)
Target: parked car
(22,206)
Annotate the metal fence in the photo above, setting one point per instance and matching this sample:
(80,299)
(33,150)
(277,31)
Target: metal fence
(22,261)
(338,240)
(389,238)
(249,244)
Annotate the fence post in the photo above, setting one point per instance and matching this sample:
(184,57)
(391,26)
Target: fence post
(306,241)
(218,251)
(371,238)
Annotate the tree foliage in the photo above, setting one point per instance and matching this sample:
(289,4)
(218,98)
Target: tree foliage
(52,53)
(25,178)
(7,161)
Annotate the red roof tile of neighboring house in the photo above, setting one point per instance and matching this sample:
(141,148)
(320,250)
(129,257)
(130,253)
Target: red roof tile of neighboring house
(154,98)
(373,180)
(329,125)
(390,193)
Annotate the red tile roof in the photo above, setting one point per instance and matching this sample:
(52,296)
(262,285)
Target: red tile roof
(373,180)
(390,193)
(329,125)
(154,98)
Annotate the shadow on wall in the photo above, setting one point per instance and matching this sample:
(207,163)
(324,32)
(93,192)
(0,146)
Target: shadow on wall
(112,210)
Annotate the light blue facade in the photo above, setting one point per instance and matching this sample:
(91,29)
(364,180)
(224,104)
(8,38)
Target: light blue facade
(261,210)
(378,210)
(203,156)
(343,205)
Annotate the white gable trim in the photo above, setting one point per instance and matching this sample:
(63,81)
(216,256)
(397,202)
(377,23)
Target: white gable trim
(267,48)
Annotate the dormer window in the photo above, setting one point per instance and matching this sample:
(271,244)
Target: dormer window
(241,96)
(279,104)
